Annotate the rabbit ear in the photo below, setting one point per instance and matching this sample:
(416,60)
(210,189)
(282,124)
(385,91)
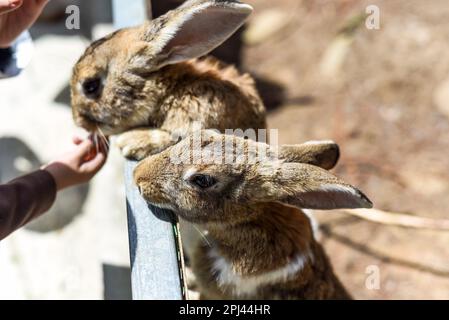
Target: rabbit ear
(324,154)
(305,186)
(196,28)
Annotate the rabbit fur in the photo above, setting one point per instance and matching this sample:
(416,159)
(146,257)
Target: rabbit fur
(260,244)
(150,81)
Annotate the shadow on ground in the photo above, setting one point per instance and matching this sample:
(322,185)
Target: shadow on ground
(117,282)
(18,159)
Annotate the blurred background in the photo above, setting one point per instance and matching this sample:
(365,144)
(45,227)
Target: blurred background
(382,94)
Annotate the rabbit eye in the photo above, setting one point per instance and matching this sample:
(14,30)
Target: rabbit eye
(92,87)
(203,181)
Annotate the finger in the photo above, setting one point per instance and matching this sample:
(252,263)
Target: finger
(95,164)
(9,5)
(77,140)
(85,151)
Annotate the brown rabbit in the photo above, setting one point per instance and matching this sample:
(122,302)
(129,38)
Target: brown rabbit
(260,243)
(149,80)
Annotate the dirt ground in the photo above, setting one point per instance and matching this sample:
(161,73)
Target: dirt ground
(383,96)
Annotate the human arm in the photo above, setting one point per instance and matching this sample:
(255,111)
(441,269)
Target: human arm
(25,198)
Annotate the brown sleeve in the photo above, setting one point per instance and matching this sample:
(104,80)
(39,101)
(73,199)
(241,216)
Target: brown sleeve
(24,199)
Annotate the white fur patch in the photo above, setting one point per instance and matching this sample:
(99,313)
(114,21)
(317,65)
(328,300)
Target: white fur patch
(189,173)
(314,223)
(318,142)
(156,137)
(120,140)
(248,285)
(126,151)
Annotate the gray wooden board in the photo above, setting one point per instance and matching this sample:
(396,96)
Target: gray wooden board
(153,248)
(156,259)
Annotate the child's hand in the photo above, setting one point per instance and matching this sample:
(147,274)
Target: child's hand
(17,16)
(79,165)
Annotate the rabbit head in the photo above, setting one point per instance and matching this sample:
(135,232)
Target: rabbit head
(116,84)
(214,178)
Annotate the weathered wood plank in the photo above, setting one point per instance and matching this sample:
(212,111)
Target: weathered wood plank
(156,256)
(155,269)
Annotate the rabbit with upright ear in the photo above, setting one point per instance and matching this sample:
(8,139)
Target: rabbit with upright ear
(249,196)
(147,81)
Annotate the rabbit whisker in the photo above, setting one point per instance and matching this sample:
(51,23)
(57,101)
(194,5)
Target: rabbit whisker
(203,236)
(97,146)
(103,138)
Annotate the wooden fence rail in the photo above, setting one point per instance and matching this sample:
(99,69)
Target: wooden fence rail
(155,250)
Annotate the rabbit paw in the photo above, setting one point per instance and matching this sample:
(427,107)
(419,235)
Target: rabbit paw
(140,143)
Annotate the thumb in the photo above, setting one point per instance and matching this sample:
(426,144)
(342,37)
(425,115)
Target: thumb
(95,164)
(9,5)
